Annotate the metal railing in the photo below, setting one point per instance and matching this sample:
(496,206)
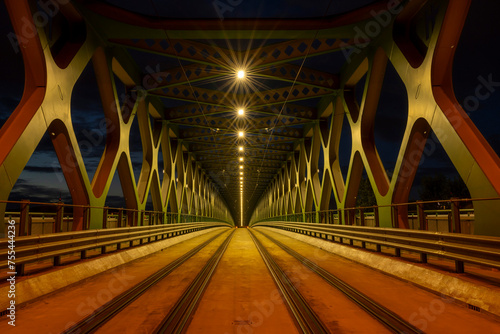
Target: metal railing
(460,248)
(52,246)
(454,216)
(35,218)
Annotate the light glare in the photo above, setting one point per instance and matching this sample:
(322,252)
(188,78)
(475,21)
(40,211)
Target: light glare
(241,74)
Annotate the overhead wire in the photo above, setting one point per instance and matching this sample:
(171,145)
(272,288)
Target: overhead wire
(287,96)
(277,117)
(212,130)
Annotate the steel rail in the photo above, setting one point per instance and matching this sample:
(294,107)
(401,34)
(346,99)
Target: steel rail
(95,320)
(180,314)
(385,316)
(304,315)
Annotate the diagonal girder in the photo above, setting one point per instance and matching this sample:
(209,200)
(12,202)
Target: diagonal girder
(253,141)
(196,72)
(215,156)
(284,147)
(202,110)
(228,124)
(300,75)
(194,110)
(288,110)
(292,93)
(298,49)
(228,99)
(181,49)
(271,122)
(197,147)
(263,164)
(282,134)
(223,124)
(186,74)
(259,168)
(195,94)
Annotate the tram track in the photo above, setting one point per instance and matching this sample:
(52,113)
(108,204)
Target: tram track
(385,316)
(305,317)
(180,314)
(91,323)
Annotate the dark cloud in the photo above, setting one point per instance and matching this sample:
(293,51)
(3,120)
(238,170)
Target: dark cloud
(25,189)
(136,165)
(115,201)
(44,169)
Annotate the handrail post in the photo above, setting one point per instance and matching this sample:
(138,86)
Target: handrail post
(24,215)
(450,222)
(455,214)
(85,218)
(376,216)
(131,217)
(362,216)
(395,217)
(58,220)
(119,219)
(422,219)
(352,216)
(142,218)
(105,217)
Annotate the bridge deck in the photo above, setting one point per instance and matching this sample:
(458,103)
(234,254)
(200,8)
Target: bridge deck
(241,296)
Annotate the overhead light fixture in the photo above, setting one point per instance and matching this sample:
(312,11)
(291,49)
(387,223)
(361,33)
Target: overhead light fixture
(241,173)
(241,148)
(241,74)
(241,134)
(241,112)
(241,167)
(241,158)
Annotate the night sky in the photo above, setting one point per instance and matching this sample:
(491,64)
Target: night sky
(478,55)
